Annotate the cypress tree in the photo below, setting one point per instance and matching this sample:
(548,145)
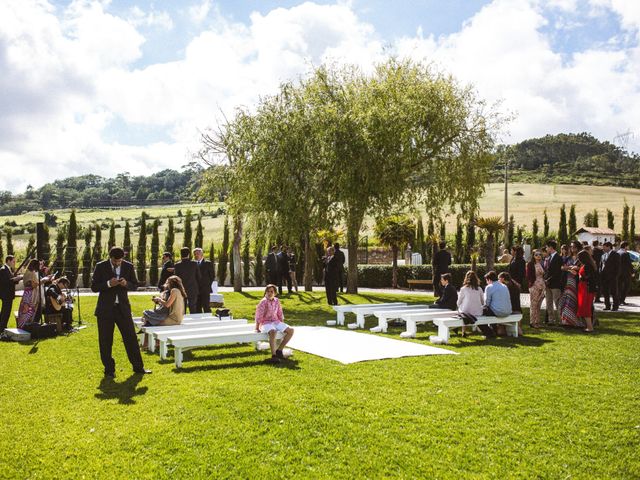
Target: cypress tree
(246,262)
(610,220)
(126,242)
(231,266)
(632,228)
(459,248)
(31,244)
(187,241)
(87,257)
(625,222)
(511,232)
(9,234)
(259,271)
(224,254)
(71,250)
(595,218)
(471,239)
(419,244)
(169,237)
(545,226)
(212,258)
(58,264)
(535,239)
(431,231)
(97,245)
(198,241)
(155,253)
(519,234)
(443,231)
(112,236)
(46,247)
(1,249)
(141,254)
(573,223)
(563,237)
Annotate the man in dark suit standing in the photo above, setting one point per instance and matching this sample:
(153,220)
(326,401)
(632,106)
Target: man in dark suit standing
(283,269)
(597,257)
(553,282)
(113,278)
(8,283)
(331,277)
(189,273)
(609,272)
(271,266)
(441,262)
(340,259)
(626,273)
(207,276)
(167,269)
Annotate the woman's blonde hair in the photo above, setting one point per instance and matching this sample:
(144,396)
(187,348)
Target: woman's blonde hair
(175,281)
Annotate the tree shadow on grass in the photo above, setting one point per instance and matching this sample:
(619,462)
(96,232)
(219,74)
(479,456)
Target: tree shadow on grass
(124,391)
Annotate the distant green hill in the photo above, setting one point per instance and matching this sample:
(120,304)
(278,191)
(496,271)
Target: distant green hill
(578,159)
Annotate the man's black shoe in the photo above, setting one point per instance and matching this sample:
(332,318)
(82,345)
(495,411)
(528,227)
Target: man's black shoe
(607,308)
(143,371)
(279,354)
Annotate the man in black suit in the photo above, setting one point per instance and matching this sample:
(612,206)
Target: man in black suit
(597,257)
(112,278)
(441,262)
(553,282)
(340,258)
(331,269)
(207,276)
(8,283)
(283,269)
(167,269)
(626,272)
(449,298)
(609,272)
(189,273)
(271,266)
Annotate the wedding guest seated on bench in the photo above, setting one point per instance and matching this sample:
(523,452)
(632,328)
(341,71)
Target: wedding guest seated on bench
(449,298)
(270,320)
(170,305)
(471,298)
(514,296)
(497,301)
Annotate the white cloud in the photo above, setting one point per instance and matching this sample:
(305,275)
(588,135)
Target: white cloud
(161,19)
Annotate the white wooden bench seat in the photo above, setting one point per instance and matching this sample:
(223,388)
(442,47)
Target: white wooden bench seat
(148,332)
(342,309)
(184,342)
(362,312)
(445,324)
(163,337)
(410,316)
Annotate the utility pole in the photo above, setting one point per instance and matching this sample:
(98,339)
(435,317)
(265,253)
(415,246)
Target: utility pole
(506,200)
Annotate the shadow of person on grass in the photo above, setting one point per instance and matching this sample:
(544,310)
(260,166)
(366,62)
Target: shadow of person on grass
(124,391)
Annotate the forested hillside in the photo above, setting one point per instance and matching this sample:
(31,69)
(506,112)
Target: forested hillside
(570,158)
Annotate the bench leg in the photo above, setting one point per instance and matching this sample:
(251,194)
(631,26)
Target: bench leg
(360,320)
(383,324)
(163,349)
(443,333)
(178,357)
(412,328)
(512,329)
(151,343)
(340,318)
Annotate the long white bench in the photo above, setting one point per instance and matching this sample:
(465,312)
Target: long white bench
(163,337)
(445,324)
(188,316)
(148,332)
(182,343)
(410,316)
(342,309)
(362,312)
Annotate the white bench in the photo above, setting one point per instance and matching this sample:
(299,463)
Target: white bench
(184,342)
(150,331)
(445,324)
(163,337)
(342,309)
(187,318)
(362,312)
(410,316)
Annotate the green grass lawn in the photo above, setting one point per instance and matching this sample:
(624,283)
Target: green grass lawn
(551,404)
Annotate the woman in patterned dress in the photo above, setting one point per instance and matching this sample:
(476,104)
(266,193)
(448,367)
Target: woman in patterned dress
(568,303)
(535,278)
(30,296)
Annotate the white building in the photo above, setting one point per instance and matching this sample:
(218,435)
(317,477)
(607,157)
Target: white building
(589,234)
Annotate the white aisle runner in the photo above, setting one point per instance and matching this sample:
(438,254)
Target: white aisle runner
(350,347)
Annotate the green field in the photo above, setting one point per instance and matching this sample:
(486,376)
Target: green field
(551,404)
(531,204)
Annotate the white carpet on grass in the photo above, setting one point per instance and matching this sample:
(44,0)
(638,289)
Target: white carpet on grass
(350,347)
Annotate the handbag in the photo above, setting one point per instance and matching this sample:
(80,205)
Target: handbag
(223,312)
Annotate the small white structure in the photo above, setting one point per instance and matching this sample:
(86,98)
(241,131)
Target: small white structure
(589,234)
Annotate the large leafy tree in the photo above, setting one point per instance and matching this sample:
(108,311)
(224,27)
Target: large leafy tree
(394,231)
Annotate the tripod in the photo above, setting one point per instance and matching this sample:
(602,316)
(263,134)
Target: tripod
(78,303)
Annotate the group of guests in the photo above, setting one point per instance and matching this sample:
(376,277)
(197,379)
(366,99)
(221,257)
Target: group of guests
(43,294)
(280,267)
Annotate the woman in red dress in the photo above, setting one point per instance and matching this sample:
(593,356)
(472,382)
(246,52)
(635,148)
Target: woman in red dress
(587,287)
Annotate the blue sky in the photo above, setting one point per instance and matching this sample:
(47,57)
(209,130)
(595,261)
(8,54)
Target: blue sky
(128,85)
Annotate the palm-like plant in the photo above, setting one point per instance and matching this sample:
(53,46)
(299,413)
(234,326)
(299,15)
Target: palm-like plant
(393,232)
(492,225)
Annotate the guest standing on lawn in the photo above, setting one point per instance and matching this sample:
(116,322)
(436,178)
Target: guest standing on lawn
(207,276)
(30,296)
(535,274)
(189,273)
(609,271)
(553,281)
(568,304)
(441,262)
(8,281)
(626,272)
(518,266)
(270,320)
(112,278)
(331,272)
(587,287)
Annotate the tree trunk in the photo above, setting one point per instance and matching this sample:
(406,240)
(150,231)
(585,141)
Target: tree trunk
(308,264)
(237,258)
(490,252)
(353,231)
(394,269)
